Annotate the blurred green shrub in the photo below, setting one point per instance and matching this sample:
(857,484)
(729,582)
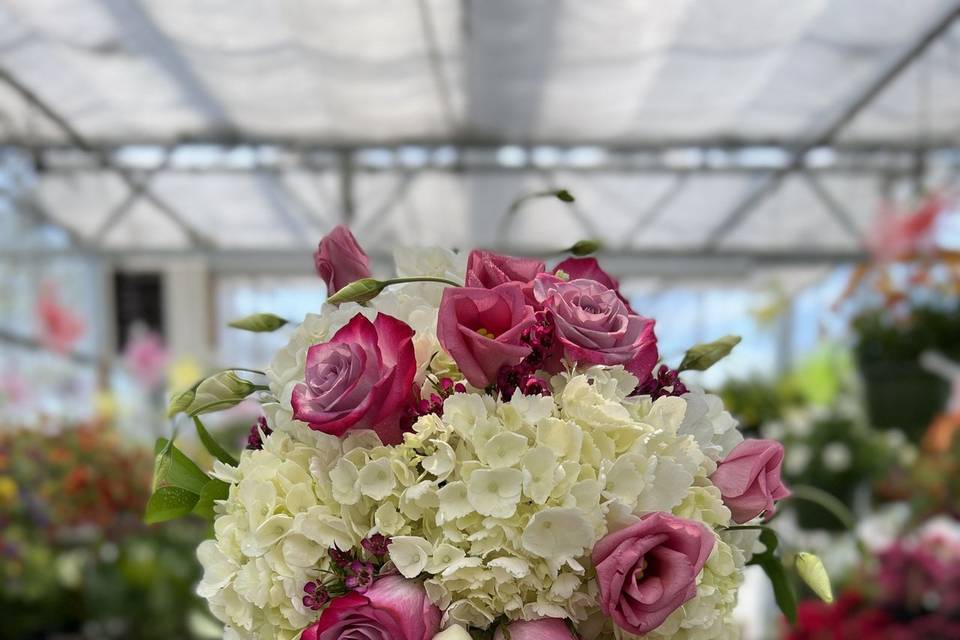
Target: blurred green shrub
(75,559)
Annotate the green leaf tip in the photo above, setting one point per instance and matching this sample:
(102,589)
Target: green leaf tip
(703,356)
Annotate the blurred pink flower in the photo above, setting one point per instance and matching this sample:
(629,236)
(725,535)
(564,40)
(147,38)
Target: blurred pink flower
(60,327)
(902,235)
(146,357)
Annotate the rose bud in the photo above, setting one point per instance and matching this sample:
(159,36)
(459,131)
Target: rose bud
(339,260)
(749,479)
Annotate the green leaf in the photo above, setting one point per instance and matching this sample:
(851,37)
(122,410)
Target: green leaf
(180,401)
(770,540)
(174,469)
(212,446)
(584,247)
(214,490)
(359,291)
(783,592)
(703,356)
(770,563)
(168,503)
(812,571)
(259,322)
(564,196)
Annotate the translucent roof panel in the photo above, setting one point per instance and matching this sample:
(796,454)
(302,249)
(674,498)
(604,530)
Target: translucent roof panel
(366,71)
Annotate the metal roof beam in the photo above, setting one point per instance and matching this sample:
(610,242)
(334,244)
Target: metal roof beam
(767,183)
(78,141)
(836,210)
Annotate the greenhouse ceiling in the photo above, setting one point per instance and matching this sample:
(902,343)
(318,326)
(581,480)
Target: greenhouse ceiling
(690,132)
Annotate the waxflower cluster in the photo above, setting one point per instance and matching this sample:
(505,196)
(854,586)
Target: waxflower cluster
(483,445)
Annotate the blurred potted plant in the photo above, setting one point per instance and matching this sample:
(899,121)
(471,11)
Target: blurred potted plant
(899,392)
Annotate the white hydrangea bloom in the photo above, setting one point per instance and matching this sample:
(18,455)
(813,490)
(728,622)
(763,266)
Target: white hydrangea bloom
(272,536)
(712,426)
(496,505)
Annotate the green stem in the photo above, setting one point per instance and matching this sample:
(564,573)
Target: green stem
(836,508)
(826,501)
(387,283)
(511,213)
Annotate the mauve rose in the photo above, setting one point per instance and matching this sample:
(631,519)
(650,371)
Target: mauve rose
(361,379)
(542,629)
(481,329)
(486,270)
(340,260)
(749,479)
(593,326)
(589,269)
(646,571)
(394,608)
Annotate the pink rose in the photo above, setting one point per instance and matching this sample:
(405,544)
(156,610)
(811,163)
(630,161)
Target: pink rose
(589,269)
(749,479)
(340,260)
(481,329)
(542,629)
(593,326)
(361,379)
(649,569)
(392,609)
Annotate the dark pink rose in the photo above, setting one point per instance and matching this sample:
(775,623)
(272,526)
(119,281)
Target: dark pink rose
(481,329)
(361,379)
(593,326)
(486,270)
(589,269)
(649,569)
(394,608)
(542,629)
(749,479)
(340,260)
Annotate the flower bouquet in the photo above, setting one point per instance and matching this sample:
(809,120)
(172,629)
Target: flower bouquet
(478,448)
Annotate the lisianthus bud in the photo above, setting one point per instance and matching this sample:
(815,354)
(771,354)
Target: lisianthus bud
(180,401)
(585,247)
(359,291)
(220,391)
(811,569)
(259,322)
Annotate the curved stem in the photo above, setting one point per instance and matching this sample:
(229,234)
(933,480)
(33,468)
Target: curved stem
(387,283)
(826,501)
